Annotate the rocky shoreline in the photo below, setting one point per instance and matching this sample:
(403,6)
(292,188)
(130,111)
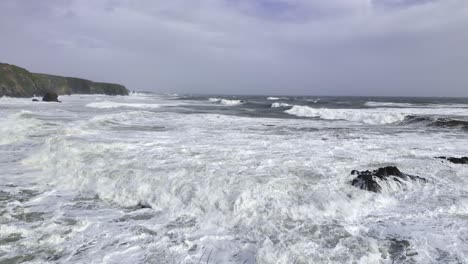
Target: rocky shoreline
(391,177)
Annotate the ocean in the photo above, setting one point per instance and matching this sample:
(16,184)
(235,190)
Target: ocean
(165,178)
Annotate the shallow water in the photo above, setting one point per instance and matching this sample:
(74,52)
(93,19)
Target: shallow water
(211,179)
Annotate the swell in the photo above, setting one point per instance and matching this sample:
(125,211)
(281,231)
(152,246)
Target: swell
(442,122)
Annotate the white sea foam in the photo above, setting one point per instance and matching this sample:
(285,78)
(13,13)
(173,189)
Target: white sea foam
(231,102)
(377,116)
(225,189)
(138,94)
(275,105)
(226,101)
(273,98)
(110,104)
(17,127)
(214,100)
(413,105)
(355,115)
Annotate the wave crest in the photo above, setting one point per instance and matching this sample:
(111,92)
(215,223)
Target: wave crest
(276,105)
(226,101)
(413,105)
(365,116)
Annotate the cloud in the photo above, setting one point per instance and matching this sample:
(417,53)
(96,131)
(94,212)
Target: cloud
(351,47)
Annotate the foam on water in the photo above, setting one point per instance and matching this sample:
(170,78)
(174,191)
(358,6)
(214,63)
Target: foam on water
(275,105)
(226,101)
(109,104)
(206,203)
(357,115)
(376,116)
(413,105)
(17,127)
(139,94)
(226,189)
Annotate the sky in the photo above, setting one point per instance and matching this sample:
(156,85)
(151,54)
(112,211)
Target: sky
(270,47)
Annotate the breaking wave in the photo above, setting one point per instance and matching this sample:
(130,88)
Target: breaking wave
(276,105)
(413,105)
(365,116)
(226,101)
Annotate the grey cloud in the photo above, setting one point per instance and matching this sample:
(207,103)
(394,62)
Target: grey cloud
(334,47)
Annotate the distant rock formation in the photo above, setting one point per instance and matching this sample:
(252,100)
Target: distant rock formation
(462,160)
(374,180)
(19,82)
(50,97)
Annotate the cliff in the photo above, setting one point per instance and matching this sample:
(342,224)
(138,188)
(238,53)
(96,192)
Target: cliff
(18,82)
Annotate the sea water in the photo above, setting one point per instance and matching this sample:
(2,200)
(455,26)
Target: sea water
(151,178)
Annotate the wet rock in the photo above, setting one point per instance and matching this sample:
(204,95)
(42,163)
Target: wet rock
(462,160)
(35,100)
(142,205)
(373,180)
(50,97)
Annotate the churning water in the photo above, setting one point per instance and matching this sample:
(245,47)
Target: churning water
(214,179)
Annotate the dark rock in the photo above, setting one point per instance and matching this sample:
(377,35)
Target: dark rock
(388,171)
(50,97)
(142,205)
(462,160)
(400,251)
(35,100)
(373,180)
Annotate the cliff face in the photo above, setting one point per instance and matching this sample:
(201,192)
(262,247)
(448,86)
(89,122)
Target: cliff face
(18,82)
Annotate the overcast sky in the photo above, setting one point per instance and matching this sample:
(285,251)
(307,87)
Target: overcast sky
(311,47)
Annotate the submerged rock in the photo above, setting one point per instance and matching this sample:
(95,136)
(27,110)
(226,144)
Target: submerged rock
(35,100)
(390,176)
(399,251)
(50,97)
(462,160)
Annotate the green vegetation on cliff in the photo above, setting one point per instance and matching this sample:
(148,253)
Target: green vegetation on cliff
(19,82)
(16,81)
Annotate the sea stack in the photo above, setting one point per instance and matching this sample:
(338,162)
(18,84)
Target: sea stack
(50,97)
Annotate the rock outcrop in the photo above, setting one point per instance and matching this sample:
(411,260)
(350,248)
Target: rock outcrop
(462,160)
(19,82)
(50,97)
(389,177)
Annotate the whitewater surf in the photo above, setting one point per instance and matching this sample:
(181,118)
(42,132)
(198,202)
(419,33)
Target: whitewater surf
(151,178)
